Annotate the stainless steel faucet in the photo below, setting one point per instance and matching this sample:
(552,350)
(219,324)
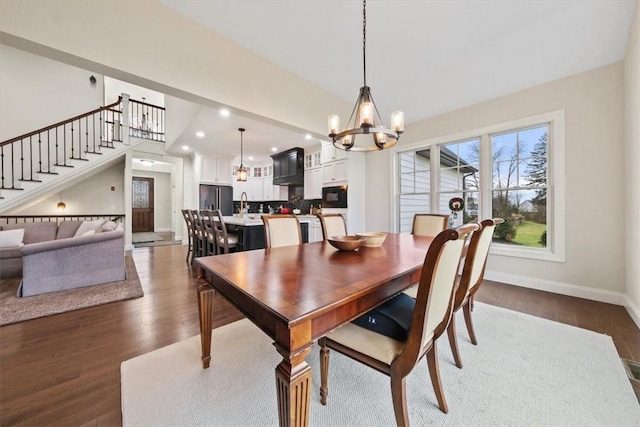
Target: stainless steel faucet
(243,196)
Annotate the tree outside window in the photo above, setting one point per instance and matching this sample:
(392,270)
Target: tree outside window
(519,189)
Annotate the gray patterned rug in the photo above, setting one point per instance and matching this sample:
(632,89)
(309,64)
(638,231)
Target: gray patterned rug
(145,237)
(524,371)
(13,309)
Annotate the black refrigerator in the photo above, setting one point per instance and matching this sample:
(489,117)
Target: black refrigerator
(217,197)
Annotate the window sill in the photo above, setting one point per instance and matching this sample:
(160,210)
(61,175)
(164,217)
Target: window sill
(522,252)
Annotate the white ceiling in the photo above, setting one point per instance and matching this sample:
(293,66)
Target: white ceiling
(423,57)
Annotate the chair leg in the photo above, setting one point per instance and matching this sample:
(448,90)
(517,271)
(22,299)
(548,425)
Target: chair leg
(399,396)
(434,372)
(466,309)
(193,250)
(453,341)
(324,370)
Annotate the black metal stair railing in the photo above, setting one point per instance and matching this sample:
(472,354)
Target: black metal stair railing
(24,157)
(25,219)
(146,120)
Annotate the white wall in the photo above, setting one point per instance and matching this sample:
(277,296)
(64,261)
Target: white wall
(204,66)
(114,88)
(594,180)
(632,165)
(90,196)
(38,92)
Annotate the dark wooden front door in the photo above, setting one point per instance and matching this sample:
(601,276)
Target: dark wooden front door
(142,204)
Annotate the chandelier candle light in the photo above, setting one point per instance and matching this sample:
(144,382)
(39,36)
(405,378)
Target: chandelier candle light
(365,118)
(241,173)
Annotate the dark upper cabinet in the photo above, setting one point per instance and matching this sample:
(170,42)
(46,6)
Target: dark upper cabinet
(288,167)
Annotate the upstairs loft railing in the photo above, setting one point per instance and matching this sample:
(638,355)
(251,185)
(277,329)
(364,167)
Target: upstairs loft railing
(24,157)
(146,120)
(22,219)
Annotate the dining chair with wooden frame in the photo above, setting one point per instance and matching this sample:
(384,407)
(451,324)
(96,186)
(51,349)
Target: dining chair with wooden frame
(200,240)
(431,315)
(426,224)
(223,240)
(469,282)
(209,235)
(281,230)
(189,222)
(193,233)
(332,225)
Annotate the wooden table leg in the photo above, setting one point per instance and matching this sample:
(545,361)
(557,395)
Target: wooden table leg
(293,383)
(205,307)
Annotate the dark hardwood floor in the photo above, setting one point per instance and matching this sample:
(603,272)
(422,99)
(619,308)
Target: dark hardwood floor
(65,369)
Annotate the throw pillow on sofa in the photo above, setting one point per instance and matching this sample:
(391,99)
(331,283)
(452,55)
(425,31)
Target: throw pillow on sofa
(108,226)
(11,238)
(89,225)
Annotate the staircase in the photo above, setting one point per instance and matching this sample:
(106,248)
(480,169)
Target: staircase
(38,164)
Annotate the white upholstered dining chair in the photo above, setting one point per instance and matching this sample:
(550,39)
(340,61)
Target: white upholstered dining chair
(470,281)
(281,230)
(431,315)
(332,225)
(425,224)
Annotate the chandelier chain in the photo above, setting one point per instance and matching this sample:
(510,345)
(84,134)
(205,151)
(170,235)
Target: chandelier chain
(364,40)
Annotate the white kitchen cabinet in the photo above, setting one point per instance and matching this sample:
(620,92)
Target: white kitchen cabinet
(313,160)
(238,188)
(215,171)
(255,189)
(334,172)
(313,183)
(315,230)
(273,192)
(330,153)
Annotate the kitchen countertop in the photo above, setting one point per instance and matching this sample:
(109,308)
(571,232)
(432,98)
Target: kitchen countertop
(248,221)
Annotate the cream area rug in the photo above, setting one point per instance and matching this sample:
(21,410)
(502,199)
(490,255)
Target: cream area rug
(13,309)
(524,371)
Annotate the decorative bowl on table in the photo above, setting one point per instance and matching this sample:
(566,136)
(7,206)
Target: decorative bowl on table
(297,211)
(346,243)
(373,239)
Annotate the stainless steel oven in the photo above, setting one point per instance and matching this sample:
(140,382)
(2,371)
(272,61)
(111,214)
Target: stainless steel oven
(334,197)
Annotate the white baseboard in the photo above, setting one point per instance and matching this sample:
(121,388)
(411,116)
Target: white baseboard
(600,295)
(633,310)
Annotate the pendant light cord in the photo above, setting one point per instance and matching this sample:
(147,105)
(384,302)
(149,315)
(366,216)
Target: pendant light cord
(241,146)
(364,40)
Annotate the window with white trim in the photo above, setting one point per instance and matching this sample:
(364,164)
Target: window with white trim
(512,170)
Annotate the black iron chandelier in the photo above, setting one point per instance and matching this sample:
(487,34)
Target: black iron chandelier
(241,173)
(365,118)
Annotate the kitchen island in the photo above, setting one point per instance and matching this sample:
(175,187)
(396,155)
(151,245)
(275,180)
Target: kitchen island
(250,230)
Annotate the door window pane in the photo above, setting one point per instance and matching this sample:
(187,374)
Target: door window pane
(140,194)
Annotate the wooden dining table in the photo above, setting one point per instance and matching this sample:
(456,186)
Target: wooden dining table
(297,294)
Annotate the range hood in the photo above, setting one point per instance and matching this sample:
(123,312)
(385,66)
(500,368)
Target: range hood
(288,167)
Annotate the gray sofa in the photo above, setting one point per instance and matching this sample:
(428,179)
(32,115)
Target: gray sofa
(52,259)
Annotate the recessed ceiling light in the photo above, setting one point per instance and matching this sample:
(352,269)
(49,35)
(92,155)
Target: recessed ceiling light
(200,134)
(274,149)
(307,137)
(146,162)
(225,113)
(250,157)
(185,147)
